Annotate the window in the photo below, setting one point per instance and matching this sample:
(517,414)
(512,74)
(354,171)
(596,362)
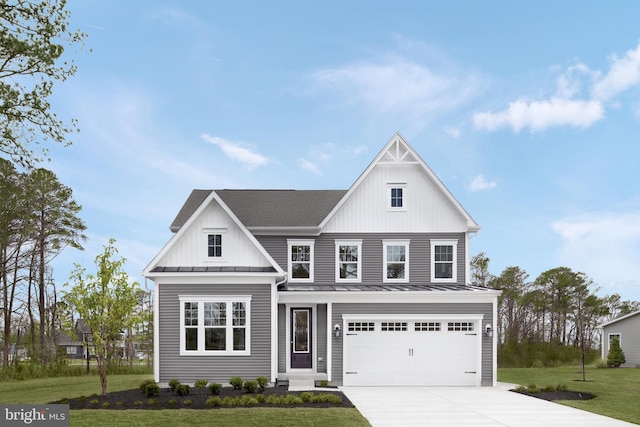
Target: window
(300,261)
(443,260)
(361,326)
(71,350)
(614,336)
(214,325)
(214,245)
(427,326)
(348,261)
(396,260)
(460,326)
(396,197)
(393,326)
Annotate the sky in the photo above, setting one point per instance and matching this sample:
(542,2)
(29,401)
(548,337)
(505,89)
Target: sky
(529,112)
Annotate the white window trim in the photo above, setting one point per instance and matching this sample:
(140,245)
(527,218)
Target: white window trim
(357,243)
(228,299)
(385,244)
(311,244)
(205,244)
(454,273)
(392,185)
(618,335)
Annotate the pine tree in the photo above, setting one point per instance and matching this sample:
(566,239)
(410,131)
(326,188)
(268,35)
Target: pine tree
(615,358)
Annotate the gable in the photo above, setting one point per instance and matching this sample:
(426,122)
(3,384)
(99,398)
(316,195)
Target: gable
(188,248)
(428,204)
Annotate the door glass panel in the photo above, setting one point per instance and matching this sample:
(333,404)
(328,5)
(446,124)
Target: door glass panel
(301,331)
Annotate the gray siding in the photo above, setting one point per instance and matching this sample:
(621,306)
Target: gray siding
(214,368)
(629,330)
(430,308)
(282,338)
(372,250)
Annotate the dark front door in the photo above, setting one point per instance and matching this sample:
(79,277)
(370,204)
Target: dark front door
(301,338)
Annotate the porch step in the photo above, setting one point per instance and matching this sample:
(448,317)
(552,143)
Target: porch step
(301,384)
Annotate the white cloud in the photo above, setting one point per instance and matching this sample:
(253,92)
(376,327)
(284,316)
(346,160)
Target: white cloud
(540,115)
(605,246)
(398,86)
(309,166)
(453,132)
(480,183)
(623,74)
(237,152)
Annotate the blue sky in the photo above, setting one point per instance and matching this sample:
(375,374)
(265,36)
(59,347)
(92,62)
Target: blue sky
(529,113)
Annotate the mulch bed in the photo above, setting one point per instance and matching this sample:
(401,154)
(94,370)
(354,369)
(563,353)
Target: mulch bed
(135,399)
(558,395)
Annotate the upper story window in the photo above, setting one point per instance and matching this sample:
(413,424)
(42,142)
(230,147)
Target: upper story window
(214,245)
(214,325)
(396,260)
(396,197)
(300,260)
(444,260)
(348,261)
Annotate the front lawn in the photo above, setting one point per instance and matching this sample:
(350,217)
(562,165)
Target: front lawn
(616,389)
(47,390)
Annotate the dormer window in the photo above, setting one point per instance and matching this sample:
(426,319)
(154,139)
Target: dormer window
(396,196)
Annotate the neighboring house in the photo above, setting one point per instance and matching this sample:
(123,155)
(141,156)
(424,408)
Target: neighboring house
(365,286)
(70,347)
(627,330)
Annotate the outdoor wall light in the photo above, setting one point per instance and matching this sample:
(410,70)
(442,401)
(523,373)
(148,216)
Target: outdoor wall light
(487,330)
(336,330)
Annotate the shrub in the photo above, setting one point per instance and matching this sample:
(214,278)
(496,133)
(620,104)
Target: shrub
(272,399)
(137,403)
(548,388)
(182,389)
(187,402)
(151,389)
(247,400)
(561,387)
(532,388)
(120,403)
(212,402)
(144,383)
(291,399)
(152,402)
(324,383)
(327,398)
(229,401)
(173,383)
(215,388)
(306,396)
(236,383)
(262,382)
(172,402)
(601,364)
(201,383)
(615,358)
(250,386)
(260,398)
(94,401)
(106,404)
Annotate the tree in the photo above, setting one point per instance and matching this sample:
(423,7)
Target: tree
(106,302)
(615,358)
(32,34)
(480,275)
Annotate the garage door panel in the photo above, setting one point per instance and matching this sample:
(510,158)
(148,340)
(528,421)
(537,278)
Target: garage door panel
(418,353)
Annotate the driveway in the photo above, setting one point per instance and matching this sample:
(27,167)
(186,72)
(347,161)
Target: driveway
(466,406)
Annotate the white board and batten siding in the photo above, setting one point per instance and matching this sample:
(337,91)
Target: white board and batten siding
(426,208)
(191,248)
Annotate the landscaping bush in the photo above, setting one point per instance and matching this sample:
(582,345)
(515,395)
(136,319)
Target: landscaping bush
(182,389)
(212,402)
(601,364)
(250,386)
(247,401)
(326,398)
(187,402)
(306,396)
(274,400)
(144,383)
(215,388)
(201,383)
(615,358)
(151,389)
(173,383)
(262,382)
(236,383)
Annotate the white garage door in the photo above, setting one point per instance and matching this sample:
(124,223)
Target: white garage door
(434,352)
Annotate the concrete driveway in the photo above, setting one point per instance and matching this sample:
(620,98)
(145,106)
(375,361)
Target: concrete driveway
(466,406)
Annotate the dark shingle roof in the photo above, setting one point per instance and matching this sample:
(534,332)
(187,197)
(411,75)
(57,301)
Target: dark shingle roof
(268,208)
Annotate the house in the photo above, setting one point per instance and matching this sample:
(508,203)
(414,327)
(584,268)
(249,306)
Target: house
(70,347)
(365,286)
(627,330)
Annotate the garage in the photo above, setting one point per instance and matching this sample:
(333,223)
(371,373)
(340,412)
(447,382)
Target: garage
(407,351)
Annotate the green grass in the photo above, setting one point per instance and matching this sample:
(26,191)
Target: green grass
(616,389)
(45,390)
(258,417)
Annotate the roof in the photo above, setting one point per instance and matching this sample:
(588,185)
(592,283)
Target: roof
(267,208)
(619,319)
(213,269)
(384,288)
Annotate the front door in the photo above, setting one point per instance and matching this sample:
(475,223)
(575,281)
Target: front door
(301,338)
